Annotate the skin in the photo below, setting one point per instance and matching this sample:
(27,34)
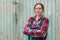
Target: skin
(38,11)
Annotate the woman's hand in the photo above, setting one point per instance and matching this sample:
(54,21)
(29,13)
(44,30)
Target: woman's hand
(28,28)
(38,30)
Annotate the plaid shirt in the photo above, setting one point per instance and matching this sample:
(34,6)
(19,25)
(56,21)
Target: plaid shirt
(34,33)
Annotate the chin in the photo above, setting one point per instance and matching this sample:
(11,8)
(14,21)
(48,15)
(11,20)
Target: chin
(38,15)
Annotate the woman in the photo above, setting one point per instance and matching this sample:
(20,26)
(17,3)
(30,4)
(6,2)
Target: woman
(37,26)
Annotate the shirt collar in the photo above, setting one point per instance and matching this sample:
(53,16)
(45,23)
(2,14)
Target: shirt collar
(39,18)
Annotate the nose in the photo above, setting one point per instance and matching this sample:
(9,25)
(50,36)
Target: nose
(38,9)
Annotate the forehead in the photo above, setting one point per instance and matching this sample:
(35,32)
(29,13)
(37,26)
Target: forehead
(38,6)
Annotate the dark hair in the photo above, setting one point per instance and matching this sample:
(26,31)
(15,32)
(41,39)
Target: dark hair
(39,4)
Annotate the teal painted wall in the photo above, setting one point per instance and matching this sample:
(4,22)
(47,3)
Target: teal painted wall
(57,20)
(9,30)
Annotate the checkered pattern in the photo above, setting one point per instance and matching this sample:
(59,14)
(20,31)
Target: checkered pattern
(34,33)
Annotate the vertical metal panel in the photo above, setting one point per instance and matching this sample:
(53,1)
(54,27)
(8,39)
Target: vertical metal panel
(6,22)
(53,20)
(49,15)
(57,20)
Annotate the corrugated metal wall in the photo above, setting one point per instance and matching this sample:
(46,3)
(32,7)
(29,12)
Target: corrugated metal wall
(11,13)
(7,28)
(57,20)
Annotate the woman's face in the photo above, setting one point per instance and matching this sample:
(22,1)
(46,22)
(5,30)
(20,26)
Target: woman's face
(38,10)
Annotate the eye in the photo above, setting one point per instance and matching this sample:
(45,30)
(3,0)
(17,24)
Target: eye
(36,8)
(40,8)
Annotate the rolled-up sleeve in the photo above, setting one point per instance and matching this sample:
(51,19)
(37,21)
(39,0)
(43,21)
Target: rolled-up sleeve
(25,31)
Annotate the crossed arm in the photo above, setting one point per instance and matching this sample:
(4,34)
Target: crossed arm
(42,32)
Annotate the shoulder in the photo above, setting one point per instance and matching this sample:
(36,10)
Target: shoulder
(30,18)
(46,19)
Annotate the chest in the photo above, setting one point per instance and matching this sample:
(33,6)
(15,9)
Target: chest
(36,25)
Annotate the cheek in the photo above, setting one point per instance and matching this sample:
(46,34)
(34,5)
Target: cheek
(35,11)
(41,10)
(38,11)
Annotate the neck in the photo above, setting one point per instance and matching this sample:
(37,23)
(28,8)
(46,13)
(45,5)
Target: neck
(39,16)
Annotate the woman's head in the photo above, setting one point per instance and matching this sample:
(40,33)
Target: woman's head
(39,8)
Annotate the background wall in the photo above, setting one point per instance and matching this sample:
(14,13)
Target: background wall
(57,20)
(14,17)
(7,29)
